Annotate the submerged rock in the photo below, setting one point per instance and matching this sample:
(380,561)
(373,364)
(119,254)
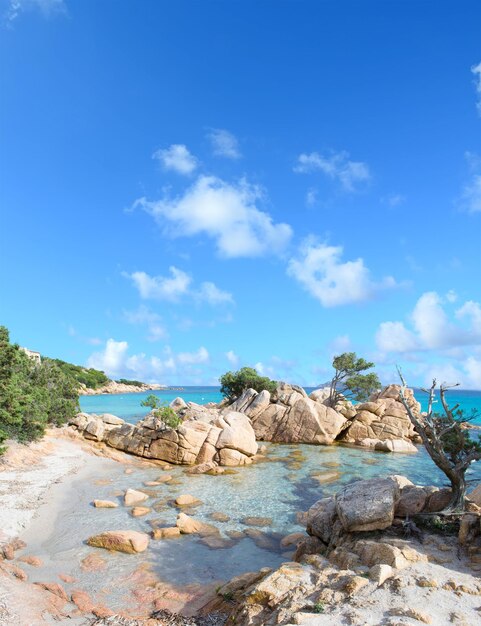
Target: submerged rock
(128,541)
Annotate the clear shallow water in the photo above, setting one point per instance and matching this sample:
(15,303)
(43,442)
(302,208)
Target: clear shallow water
(127,406)
(276,489)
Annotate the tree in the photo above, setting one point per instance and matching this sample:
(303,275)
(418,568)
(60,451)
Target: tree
(161,410)
(32,395)
(348,375)
(446,441)
(233,384)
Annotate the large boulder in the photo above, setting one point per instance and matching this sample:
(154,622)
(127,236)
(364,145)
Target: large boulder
(129,541)
(367,504)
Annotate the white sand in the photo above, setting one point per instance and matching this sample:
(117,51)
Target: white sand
(26,475)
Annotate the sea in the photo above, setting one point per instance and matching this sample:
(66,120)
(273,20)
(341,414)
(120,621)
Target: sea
(128,405)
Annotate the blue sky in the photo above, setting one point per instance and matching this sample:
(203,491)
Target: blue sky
(191,187)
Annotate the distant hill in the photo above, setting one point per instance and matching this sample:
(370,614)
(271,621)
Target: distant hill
(89,377)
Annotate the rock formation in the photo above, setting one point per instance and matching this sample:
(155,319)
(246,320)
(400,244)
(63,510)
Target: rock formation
(214,438)
(291,416)
(382,423)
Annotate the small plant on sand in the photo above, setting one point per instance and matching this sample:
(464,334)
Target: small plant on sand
(162,411)
(228,596)
(233,384)
(446,440)
(319,607)
(349,381)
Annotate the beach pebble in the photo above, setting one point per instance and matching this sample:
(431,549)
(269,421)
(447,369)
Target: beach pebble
(105,504)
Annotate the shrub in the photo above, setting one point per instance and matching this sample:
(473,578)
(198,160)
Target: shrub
(233,384)
(134,383)
(161,410)
(89,377)
(32,395)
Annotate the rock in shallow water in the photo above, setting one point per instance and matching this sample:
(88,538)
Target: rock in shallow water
(128,541)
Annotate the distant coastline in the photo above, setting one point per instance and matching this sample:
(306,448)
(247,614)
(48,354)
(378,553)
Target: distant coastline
(113,387)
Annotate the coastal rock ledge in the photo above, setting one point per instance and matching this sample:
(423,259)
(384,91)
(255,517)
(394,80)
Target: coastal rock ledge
(211,440)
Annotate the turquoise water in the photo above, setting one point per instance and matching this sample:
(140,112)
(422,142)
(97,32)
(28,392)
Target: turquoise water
(292,481)
(127,406)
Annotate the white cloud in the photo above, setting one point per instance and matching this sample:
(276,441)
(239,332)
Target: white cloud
(320,270)
(228,213)
(311,196)
(176,158)
(339,344)
(224,143)
(476,70)
(471,195)
(47,7)
(190,358)
(393,200)
(161,287)
(431,327)
(178,285)
(232,357)
(116,362)
(111,359)
(337,166)
(210,293)
(473,371)
(395,337)
(144,316)
(451,296)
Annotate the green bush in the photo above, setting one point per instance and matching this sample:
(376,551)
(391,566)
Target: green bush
(32,395)
(233,384)
(134,383)
(162,411)
(89,377)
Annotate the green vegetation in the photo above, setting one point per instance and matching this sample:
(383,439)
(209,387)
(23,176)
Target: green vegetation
(349,381)
(162,410)
(233,384)
(32,395)
(319,607)
(89,377)
(134,383)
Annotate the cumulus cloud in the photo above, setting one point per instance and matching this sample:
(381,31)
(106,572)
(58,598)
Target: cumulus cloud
(224,143)
(431,327)
(189,358)
(211,294)
(476,70)
(161,287)
(111,359)
(144,316)
(179,284)
(232,357)
(176,158)
(320,270)
(337,166)
(116,362)
(228,213)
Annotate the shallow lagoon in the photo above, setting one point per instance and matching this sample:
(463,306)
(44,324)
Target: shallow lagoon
(291,481)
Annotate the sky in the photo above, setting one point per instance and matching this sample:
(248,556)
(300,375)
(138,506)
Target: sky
(190,187)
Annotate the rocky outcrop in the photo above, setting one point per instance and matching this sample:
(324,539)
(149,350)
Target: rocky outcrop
(218,439)
(114,387)
(289,416)
(382,423)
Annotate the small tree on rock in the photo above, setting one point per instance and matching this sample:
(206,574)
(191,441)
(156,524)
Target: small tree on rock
(162,410)
(233,384)
(446,440)
(348,376)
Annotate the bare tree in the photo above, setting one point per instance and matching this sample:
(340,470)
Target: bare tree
(447,442)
